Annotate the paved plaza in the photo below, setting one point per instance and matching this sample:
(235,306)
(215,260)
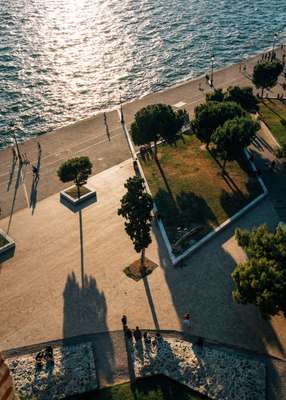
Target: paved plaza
(52,288)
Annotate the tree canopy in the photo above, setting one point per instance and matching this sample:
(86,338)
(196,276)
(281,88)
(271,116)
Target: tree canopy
(211,115)
(233,136)
(243,96)
(155,122)
(136,207)
(77,170)
(262,279)
(265,74)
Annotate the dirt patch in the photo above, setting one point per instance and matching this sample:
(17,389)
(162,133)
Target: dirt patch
(134,271)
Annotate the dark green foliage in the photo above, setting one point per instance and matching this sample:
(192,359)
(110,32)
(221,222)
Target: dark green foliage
(211,115)
(243,96)
(262,279)
(216,95)
(76,169)
(234,136)
(155,122)
(136,207)
(265,75)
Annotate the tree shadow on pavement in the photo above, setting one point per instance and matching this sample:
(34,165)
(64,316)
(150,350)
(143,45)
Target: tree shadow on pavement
(85,312)
(204,289)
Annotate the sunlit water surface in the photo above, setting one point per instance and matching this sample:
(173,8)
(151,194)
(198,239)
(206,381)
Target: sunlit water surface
(63,60)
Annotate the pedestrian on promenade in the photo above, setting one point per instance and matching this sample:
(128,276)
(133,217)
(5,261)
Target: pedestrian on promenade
(137,334)
(128,333)
(15,157)
(124,321)
(187,320)
(36,174)
(39,148)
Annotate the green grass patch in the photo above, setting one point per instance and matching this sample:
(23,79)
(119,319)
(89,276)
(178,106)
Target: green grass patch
(73,191)
(201,198)
(3,241)
(273,113)
(152,388)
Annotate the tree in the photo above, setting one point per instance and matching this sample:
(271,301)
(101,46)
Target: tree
(136,207)
(243,96)
(77,170)
(155,122)
(231,138)
(216,95)
(211,115)
(262,279)
(265,74)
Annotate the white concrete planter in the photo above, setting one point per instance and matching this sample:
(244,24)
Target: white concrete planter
(8,248)
(77,204)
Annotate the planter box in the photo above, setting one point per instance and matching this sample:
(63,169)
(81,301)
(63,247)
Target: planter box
(7,251)
(77,204)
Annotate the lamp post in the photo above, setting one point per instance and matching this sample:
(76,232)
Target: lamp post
(121,109)
(212,70)
(275,36)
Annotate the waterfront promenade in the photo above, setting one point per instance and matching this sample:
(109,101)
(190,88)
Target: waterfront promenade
(88,137)
(41,292)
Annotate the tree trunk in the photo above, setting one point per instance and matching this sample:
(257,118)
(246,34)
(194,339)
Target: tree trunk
(262,91)
(142,261)
(77,188)
(155,150)
(224,164)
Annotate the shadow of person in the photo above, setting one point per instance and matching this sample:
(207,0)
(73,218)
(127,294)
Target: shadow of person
(34,194)
(85,313)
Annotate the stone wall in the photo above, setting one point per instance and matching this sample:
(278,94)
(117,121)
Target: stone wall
(6,383)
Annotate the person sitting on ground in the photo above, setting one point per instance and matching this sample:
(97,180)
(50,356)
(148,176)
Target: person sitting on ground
(49,354)
(137,334)
(128,333)
(146,338)
(39,359)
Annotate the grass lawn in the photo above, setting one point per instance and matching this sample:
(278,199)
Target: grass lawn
(3,241)
(73,191)
(200,195)
(272,112)
(153,388)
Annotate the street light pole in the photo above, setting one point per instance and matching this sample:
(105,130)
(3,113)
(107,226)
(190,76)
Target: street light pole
(121,108)
(275,36)
(212,71)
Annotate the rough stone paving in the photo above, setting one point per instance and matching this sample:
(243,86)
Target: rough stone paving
(221,375)
(73,373)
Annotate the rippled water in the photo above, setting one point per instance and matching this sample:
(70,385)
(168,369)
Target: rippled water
(62,60)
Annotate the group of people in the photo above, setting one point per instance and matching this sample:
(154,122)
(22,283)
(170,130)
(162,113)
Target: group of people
(137,335)
(45,355)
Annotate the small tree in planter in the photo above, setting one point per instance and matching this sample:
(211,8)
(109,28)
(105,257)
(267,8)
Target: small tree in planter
(136,207)
(77,170)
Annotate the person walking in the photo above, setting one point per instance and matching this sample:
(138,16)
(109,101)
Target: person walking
(187,320)
(124,321)
(137,334)
(128,333)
